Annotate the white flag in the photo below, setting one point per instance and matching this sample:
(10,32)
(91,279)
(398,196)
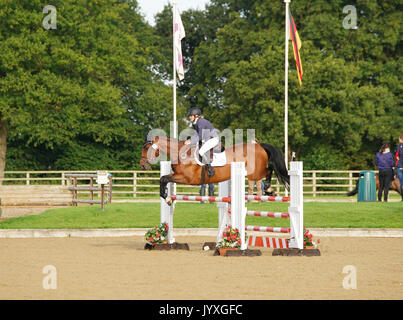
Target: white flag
(179,34)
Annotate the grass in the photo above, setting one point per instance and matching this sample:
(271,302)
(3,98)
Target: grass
(193,215)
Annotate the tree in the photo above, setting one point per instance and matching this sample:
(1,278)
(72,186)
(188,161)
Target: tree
(348,104)
(87,82)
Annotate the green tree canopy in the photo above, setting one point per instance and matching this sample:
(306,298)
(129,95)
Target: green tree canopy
(350,99)
(81,96)
(86,85)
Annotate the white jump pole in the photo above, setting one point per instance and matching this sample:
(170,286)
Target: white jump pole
(296,208)
(238,209)
(167,212)
(287,37)
(224,190)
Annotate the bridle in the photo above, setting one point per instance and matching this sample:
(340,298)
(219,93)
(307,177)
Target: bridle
(156,147)
(152,144)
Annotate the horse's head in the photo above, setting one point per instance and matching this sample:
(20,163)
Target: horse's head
(149,153)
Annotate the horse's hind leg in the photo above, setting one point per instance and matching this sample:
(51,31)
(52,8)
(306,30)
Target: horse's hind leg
(268,190)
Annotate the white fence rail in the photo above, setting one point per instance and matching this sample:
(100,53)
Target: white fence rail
(145,184)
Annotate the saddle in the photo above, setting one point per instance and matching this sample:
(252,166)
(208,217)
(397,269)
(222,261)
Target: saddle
(219,148)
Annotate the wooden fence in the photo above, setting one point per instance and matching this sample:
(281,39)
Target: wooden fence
(145,184)
(91,188)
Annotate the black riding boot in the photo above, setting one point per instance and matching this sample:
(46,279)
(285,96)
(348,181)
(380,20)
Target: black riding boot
(210,170)
(206,161)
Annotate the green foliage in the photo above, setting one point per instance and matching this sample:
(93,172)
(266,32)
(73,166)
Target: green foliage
(323,157)
(83,95)
(86,157)
(86,83)
(350,97)
(21,157)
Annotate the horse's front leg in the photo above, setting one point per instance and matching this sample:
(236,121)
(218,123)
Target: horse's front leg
(164,180)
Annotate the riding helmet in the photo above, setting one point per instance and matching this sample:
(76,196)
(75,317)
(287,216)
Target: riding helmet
(194,112)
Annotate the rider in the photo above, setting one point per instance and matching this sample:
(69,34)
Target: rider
(206,134)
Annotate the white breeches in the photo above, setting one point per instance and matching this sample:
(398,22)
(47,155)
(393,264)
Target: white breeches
(209,144)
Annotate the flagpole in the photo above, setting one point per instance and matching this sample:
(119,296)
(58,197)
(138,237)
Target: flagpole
(287,32)
(174,65)
(174,72)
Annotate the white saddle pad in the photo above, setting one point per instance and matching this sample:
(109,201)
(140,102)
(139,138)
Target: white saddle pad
(219,159)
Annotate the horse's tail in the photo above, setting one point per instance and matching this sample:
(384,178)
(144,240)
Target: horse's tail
(355,191)
(276,159)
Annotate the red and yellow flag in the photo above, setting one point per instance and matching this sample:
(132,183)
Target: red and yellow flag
(296,44)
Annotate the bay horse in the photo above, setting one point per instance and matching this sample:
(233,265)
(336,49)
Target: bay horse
(394,185)
(261,159)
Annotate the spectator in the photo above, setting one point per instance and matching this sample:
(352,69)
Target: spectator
(385,163)
(210,190)
(399,163)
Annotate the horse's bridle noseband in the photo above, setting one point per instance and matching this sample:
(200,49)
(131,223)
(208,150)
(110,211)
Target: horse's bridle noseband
(152,144)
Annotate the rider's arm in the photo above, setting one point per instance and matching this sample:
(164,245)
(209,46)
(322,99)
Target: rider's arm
(194,139)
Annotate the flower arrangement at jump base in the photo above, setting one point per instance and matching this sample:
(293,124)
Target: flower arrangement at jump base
(157,234)
(231,238)
(308,242)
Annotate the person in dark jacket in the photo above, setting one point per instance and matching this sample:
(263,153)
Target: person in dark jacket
(206,134)
(385,163)
(399,163)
